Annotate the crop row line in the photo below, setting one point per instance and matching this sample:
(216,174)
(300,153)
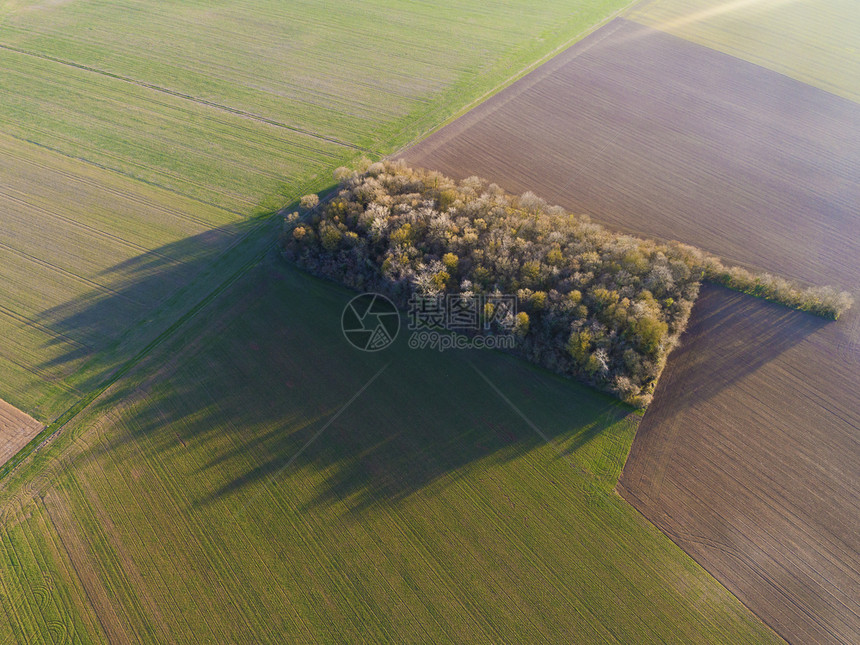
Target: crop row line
(21,317)
(96,286)
(133,177)
(79,177)
(91,230)
(188,97)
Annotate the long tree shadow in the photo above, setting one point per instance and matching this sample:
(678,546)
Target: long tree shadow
(138,299)
(262,391)
(262,383)
(730,336)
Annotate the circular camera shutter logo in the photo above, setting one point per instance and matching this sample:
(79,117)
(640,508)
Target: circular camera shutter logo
(370,322)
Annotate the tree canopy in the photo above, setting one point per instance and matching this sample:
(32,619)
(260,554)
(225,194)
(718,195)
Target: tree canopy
(599,306)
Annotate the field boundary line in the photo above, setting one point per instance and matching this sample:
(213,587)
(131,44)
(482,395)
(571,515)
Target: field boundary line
(513,78)
(678,537)
(130,176)
(187,97)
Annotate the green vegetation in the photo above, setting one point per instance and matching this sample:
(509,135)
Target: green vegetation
(183,505)
(236,103)
(603,307)
(814,42)
(73,236)
(826,302)
(128,127)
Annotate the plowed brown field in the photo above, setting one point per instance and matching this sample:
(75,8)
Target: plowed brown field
(750,455)
(16,429)
(748,459)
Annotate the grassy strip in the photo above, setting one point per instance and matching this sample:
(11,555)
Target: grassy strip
(826,302)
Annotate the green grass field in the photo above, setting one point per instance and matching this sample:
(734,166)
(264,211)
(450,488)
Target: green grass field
(77,245)
(237,102)
(182,506)
(814,41)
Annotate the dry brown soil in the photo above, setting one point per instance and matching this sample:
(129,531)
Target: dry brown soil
(16,429)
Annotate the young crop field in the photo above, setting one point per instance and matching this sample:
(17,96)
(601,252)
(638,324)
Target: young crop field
(129,127)
(75,238)
(259,480)
(237,104)
(312,68)
(815,42)
(748,458)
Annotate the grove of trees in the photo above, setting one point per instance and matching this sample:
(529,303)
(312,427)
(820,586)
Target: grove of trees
(598,306)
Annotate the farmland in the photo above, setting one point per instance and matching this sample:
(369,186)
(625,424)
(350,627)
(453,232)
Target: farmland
(630,116)
(121,135)
(748,458)
(759,406)
(183,507)
(226,467)
(93,240)
(814,42)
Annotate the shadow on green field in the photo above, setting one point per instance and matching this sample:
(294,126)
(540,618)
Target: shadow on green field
(262,384)
(259,382)
(142,297)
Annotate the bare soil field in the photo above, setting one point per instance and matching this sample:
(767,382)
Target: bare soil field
(654,134)
(749,457)
(16,429)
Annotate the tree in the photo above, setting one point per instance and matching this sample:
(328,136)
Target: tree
(521,326)
(579,346)
(450,260)
(309,202)
(650,333)
(593,303)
